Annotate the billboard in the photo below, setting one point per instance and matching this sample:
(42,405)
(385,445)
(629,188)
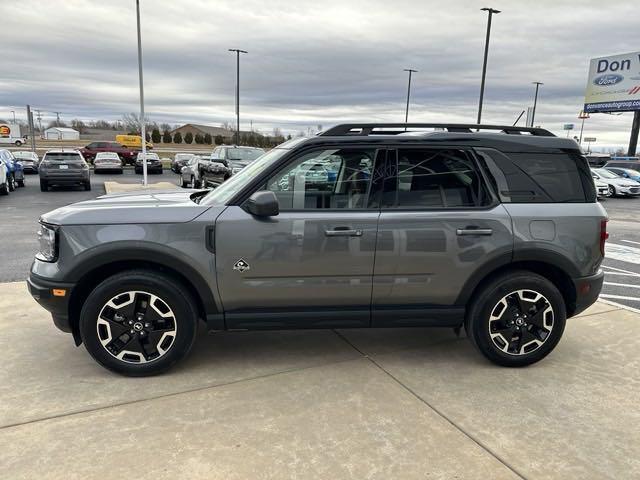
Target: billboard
(613,84)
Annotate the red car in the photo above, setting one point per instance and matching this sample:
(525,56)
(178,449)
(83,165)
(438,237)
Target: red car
(126,155)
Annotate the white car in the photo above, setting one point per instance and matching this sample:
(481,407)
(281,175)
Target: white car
(602,189)
(616,184)
(4,184)
(107,161)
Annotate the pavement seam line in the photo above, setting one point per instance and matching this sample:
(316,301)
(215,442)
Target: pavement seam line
(431,407)
(173,394)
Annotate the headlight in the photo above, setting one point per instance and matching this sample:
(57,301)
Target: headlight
(47,239)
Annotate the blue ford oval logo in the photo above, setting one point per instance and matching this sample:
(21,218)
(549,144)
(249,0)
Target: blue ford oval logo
(610,79)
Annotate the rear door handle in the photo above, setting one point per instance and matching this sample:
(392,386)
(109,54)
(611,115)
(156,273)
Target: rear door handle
(343,232)
(474,231)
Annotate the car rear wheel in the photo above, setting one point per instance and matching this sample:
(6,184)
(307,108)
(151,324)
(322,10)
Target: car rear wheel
(517,319)
(20,182)
(11,182)
(44,186)
(4,189)
(138,323)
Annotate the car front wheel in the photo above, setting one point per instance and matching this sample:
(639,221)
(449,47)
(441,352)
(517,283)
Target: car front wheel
(517,319)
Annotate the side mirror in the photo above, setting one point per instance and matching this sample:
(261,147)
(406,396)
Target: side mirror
(263,204)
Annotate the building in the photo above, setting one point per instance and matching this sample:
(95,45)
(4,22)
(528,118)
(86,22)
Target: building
(61,133)
(195,129)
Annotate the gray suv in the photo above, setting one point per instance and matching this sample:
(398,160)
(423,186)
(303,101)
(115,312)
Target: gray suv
(63,168)
(494,229)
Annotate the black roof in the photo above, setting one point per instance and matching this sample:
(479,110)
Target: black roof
(500,137)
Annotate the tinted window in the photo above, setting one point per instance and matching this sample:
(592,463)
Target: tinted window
(434,178)
(333,178)
(539,177)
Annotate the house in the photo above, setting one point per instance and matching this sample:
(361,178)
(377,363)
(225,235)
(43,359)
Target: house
(61,133)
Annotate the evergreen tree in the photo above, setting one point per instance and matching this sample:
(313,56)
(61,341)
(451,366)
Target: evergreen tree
(177,138)
(199,139)
(207,139)
(188,138)
(166,137)
(219,140)
(155,136)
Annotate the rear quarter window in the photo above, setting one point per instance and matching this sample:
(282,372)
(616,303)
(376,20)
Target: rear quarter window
(539,177)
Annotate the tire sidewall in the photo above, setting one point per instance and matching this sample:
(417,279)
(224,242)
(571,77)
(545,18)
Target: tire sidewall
(478,321)
(165,288)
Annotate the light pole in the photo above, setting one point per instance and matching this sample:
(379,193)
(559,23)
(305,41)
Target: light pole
(406,113)
(143,133)
(491,11)
(535,101)
(238,52)
(14,116)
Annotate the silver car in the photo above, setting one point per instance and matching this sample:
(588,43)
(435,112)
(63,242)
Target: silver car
(618,186)
(107,161)
(497,233)
(29,161)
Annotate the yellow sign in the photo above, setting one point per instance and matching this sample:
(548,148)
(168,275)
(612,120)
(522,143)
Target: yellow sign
(5,131)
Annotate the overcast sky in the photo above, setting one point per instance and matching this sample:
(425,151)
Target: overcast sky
(310,63)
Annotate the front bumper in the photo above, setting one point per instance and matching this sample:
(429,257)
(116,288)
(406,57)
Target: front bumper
(42,291)
(629,190)
(587,291)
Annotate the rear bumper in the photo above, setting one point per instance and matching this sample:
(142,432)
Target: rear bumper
(65,179)
(42,291)
(587,291)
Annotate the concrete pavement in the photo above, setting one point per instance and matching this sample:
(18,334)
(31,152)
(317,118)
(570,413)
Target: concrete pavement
(397,403)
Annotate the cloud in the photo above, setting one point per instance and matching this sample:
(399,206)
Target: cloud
(309,63)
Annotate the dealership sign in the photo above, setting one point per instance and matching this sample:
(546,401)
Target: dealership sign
(5,131)
(614,84)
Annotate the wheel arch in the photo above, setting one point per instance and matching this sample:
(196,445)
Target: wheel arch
(107,265)
(557,275)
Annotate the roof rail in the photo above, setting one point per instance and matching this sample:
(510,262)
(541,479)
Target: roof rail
(363,129)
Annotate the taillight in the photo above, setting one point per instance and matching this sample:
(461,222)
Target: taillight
(604,235)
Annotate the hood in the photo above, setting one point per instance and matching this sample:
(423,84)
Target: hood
(152,206)
(621,181)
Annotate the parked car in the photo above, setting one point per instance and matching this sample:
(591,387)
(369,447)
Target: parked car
(15,171)
(190,174)
(213,173)
(625,172)
(180,160)
(235,157)
(107,161)
(126,154)
(132,141)
(602,189)
(472,219)
(29,161)
(63,167)
(154,164)
(617,185)
(4,178)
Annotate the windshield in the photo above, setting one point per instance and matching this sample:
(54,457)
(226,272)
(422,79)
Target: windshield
(222,194)
(150,156)
(246,154)
(631,173)
(101,156)
(25,155)
(183,156)
(605,173)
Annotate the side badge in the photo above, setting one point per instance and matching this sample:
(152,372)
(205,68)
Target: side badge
(241,266)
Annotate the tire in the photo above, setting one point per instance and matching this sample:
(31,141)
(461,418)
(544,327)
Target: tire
(183,183)
(516,319)
(20,183)
(4,189)
(162,337)
(137,171)
(612,191)
(44,185)
(87,186)
(18,143)
(11,183)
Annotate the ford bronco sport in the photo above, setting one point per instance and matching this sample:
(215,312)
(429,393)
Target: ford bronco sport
(494,229)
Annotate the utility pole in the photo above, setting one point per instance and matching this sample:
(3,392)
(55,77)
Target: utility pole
(31,135)
(491,11)
(143,134)
(535,101)
(57,118)
(14,116)
(635,128)
(406,113)
(39,121)
(238,52)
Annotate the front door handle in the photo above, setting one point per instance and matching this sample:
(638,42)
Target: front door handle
(343,232)
(474,231)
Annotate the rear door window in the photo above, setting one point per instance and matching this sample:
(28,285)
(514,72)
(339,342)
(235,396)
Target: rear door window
(434,178)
